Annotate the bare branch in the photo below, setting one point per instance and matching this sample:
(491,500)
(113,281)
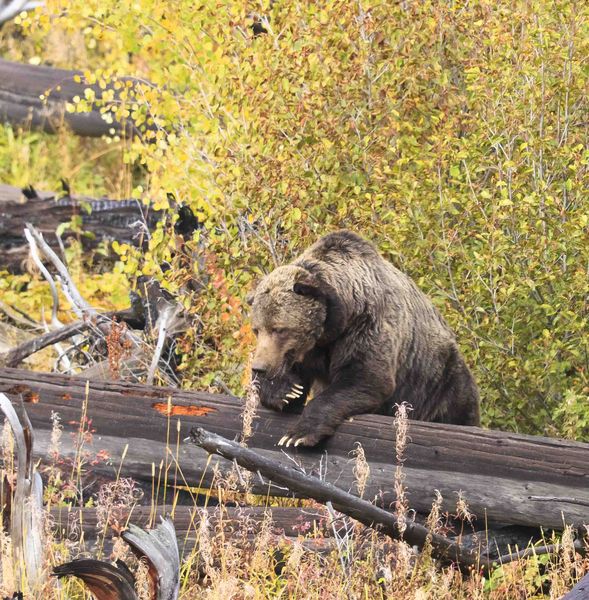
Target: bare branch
(18,354)
(55,322)
(79,305)
(165,318)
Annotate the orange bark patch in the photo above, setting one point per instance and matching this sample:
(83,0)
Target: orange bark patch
(174,410)
(26,392)
(31,397)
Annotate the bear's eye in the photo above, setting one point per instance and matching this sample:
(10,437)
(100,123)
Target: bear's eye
(256,331)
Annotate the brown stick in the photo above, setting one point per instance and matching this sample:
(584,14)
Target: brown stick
(355,507)
(14,357)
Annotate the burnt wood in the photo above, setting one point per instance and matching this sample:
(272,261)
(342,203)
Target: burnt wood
(101,219)
(505,477)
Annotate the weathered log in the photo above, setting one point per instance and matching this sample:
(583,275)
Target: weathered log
(461,549)
(580,591)
(288,521)
(102,219)
(504,477)
(241,525)
(36,96)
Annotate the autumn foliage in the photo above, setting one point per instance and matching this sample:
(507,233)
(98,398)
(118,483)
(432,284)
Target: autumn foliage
(453,134)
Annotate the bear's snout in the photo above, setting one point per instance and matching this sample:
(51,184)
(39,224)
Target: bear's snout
(258,369)
(270,356)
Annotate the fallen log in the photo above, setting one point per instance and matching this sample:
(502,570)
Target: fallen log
(240,526)
(288,521)
(458,549)
(504,477)
(580,591)
(36,96)
(100,219)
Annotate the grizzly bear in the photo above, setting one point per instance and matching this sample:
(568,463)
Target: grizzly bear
(343,323)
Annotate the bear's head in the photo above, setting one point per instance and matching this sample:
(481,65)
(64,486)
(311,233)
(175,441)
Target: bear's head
(288,314)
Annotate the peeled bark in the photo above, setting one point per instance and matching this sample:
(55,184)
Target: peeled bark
(26,505)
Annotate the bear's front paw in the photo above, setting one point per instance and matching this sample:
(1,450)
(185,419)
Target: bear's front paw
(305,433)
(280,392)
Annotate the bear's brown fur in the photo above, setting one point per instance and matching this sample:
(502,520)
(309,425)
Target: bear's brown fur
(345,323)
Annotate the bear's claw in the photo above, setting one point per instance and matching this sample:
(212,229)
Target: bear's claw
(308,431)
(287,440)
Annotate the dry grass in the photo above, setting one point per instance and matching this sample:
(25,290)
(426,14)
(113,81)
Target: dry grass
(362,564)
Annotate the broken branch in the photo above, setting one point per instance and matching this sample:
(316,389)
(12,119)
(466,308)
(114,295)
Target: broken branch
(355,507)
(18,354)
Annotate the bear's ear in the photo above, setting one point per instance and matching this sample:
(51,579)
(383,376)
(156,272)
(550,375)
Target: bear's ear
(249,297)
(306,288)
